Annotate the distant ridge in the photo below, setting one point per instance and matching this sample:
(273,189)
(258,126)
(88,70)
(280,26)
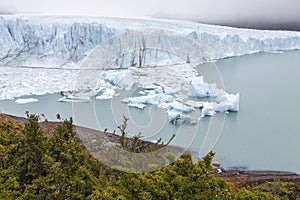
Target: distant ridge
(260,25)
(7,11)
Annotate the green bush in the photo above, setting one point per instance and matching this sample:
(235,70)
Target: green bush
(37,165)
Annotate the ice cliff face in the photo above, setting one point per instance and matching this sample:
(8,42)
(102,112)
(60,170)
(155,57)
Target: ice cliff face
(35,42)
(57,41)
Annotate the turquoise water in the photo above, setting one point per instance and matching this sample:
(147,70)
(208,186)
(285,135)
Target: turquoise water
(264,134)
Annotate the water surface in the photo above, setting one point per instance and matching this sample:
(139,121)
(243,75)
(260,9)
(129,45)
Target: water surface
(263,135)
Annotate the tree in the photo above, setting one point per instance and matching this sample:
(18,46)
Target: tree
(31,151)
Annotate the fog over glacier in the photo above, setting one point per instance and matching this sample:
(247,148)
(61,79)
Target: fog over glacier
(265,14)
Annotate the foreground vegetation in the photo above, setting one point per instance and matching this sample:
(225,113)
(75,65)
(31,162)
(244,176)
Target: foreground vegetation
(36,164)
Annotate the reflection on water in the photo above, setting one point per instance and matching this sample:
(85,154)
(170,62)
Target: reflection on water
(264,134)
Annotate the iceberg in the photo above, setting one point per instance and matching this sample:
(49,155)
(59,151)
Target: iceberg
(149,99)
(225,102)
(107,93)
(137,105)
(73,99)
(24,101)
(149,86)
(199,88)
(175,105)
(222,107)
(169,91)
(208,109)
(195,104)
(176,117)
(231,101)
(121,78)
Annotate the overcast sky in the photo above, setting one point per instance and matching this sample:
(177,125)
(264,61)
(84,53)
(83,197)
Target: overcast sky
(273,13)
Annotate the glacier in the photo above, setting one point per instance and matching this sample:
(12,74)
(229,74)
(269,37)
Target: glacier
(64,41)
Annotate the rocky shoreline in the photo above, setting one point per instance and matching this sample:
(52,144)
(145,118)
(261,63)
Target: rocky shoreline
(250,177)
(258,177)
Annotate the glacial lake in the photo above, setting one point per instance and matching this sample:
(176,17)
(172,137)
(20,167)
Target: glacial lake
(263,135)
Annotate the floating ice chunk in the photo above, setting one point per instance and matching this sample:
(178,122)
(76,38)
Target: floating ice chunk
(222,96)
(222,107)
(195,104)
(151,92)
(175,105)
(188,120)
(208,109)
(225,102)
(74,99)
(112,76)
(137,105)
(213,91)
(176,117)
(75,96)
(107,93)
(150,99)
(199,88)
(232,100)
(163,104)
(235,102)
(142,92)
(121,78)
(169,91)
(103,97)
(62,99)
(149,86)
(166,99)
(24,101)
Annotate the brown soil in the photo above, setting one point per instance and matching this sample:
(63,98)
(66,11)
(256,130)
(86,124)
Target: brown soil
(90,133)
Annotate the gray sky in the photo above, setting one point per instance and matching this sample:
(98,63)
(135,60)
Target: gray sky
(242,12)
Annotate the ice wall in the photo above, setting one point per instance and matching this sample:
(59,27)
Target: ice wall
(54,41)
(35,42)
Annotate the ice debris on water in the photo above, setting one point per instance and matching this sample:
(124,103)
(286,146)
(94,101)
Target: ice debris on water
(178,94)
(24,101)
